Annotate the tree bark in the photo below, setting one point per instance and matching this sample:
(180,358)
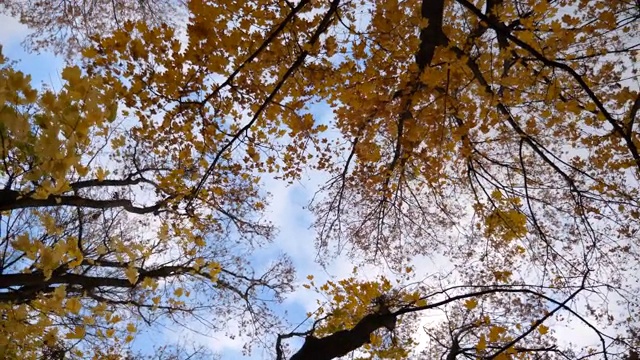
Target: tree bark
(343,342)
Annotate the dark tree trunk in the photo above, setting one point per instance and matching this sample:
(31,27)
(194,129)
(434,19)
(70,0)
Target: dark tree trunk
(343,342)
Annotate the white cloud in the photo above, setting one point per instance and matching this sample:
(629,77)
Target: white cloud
(12,32)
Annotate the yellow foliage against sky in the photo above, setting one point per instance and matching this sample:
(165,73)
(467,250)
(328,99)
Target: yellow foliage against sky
(498,135)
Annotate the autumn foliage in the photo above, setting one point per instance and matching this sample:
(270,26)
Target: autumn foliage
(498,136)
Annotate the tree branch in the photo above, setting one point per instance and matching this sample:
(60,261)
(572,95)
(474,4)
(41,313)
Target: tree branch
(617,128)
(432,35)
(342,342)
(11,200)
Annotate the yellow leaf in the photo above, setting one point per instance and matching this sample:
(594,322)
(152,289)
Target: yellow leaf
(494,333)
(101,174)
(101,249)
(60,292)
(471,304)
(22,243)
(132,274)
(199,241)
(543,329)
(214,270)
(71,74)
(149,283)
(115,319)
(502,276)
(131,327)
(77,333)
(88,320)
(482,343)
(178,292)
(99,309)
(51,337)
(73,305)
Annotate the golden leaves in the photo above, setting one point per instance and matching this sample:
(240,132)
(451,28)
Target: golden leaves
(131,328)
(73,252)
(193,109)
(72,75)
(506,224)
(299,124)
(542,329)
(73,305)
(502,276)
(213,270)
(495,332)
(199,241)
(132,274)
(23,243)
(471,304)
(77,333)
(350,300)
(101,174)
(482,343)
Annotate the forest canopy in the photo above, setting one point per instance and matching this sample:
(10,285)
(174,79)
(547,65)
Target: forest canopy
(499,137)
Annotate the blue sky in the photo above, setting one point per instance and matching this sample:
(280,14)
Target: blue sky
(44,68)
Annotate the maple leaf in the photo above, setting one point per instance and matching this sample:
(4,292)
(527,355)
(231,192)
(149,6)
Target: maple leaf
(471,304)
(542,329)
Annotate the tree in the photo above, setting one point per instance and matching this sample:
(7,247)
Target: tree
(97,228)
(498,134)
(513,125)
(65,27)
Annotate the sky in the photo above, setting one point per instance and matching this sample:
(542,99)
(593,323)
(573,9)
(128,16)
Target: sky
(287,210)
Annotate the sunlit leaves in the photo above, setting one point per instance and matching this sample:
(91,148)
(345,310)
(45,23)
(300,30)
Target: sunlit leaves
(508,225)
(73,305)
(132,274)
(70,147)
(506,142)
(350,300)
(53,131)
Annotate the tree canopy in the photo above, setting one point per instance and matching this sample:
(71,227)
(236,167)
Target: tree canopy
(498,136)
(65,27)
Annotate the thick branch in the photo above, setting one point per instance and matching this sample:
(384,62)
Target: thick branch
(24,287)
(633,113)
(107,182)
(342,342)
(432,35)
(11,200)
